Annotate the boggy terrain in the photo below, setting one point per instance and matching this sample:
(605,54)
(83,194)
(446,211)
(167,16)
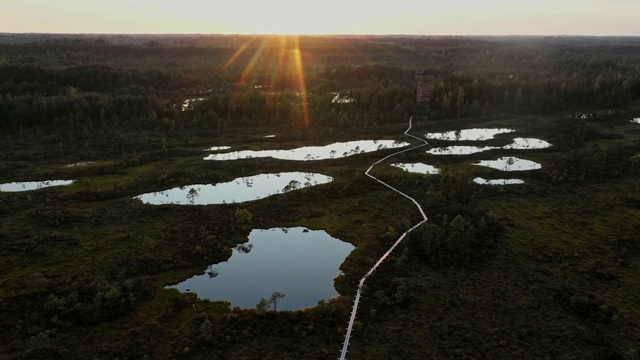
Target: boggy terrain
(546,267)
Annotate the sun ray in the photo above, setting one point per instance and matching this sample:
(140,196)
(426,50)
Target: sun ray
(282,54)
(247,70)
(233,57)
(302,85)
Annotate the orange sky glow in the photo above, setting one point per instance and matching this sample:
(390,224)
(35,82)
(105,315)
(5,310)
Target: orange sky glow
(426,17)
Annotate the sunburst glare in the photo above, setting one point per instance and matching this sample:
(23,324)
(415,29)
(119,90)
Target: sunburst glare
(286,59)
(233,58)
(282,54)
(252,63)
(302,85)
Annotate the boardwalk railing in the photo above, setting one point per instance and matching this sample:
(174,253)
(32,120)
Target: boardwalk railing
(354,309)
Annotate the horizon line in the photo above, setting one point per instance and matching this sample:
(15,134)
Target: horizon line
(313,35)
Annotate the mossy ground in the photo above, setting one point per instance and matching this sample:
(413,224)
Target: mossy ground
(561,240)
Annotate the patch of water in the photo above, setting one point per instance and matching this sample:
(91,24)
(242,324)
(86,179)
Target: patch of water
(636,120)
(342,100)
(510,163)
(459,150)
(332,151)
(239,190)
(269,136)
(218,148)
(32,185)
(528,144)
(483,181)
(187,104)
(297,262)
(418,168)
(584,116)
(468,134)
(78,164)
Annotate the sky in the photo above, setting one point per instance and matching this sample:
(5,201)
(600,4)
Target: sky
(416,17)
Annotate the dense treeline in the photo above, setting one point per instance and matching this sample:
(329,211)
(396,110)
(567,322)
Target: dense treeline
(249,81)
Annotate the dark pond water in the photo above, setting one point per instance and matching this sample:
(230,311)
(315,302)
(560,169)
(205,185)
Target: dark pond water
(297,262)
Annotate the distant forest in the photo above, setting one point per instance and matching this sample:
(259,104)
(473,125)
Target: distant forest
(84,82)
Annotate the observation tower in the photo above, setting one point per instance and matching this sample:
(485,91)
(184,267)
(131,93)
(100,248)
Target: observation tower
(423,87)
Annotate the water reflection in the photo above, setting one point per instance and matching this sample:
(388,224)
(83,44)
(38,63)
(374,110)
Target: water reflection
(236,191)
(636,120)
(269,136)
(510,164)
(297,262)
(218,148)
(84,163)
(459,150)
(517,144)
(468,134)
(483,181)
(187,104)
(32,185)
(418,168)
(527,143)
(342,100)
(332,151)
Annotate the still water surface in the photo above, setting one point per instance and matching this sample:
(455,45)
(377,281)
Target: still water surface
(527,144)
(483,181)
(32,185)
(78,164)
(510,163)
(332,151)
(218,148)
(468,134)
(297,262)
(418,168)
(459,150)
(235,191)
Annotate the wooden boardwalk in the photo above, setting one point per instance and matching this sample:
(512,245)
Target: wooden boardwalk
(354,309)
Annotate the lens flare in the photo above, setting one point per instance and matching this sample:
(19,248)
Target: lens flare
(252,63)
(302,85)
(284,56)
(234,57)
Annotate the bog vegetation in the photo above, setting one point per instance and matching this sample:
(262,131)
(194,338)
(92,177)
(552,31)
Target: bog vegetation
(544,269)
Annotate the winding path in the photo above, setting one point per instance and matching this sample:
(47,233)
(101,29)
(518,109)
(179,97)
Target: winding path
(345,345)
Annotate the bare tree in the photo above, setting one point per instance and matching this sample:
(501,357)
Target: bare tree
(264,304)
(275,298)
